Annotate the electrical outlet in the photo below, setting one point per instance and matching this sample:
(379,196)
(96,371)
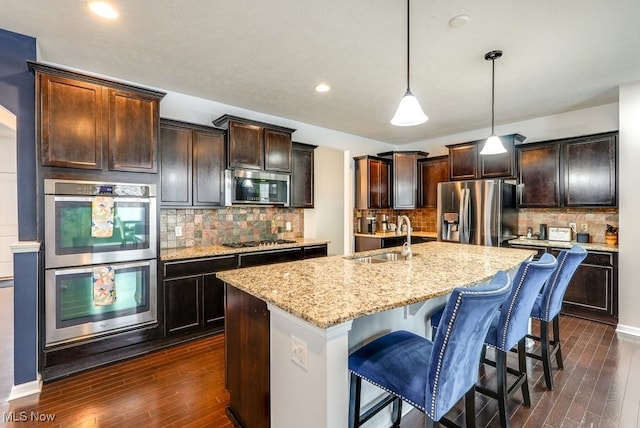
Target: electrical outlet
(584,227)
(299,352)
(178,231)
(288,226)
(573,227)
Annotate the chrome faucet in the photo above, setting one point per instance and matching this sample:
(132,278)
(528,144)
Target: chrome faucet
(406,247)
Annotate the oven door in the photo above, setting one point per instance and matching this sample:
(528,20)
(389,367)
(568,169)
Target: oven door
(75,310)
(68,237)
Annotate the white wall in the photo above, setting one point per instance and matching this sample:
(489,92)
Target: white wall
(571,124)
(629,210)
(8,190)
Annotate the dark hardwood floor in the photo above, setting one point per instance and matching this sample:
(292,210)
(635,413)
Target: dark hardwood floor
(183,386)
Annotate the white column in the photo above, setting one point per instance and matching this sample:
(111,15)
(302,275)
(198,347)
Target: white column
(313,392)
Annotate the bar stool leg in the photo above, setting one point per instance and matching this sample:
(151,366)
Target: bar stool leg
(354,401)
(501,367)
(556,341)
(546,356)
(522,368)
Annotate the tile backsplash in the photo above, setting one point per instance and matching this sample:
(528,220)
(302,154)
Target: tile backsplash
(595,219)
(231,224)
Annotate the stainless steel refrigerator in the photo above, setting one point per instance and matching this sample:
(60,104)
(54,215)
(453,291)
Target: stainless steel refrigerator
(480,212)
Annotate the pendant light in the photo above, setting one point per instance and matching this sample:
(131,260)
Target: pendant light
(494,145)
(409,112)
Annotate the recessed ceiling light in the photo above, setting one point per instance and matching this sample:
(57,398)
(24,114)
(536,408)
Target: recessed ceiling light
(322,87)
(459,20)
(103,9)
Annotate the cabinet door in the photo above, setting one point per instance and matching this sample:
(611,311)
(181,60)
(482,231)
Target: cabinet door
(277,151)
(539,176)
(182,304)
(590,171)
(405,181)
(175,165)
(71,123)
(431,173)
(213,301)
(245,145)
(501,165)
(378,184)
(208,168)
(463,161)
(302,177)
(133,132)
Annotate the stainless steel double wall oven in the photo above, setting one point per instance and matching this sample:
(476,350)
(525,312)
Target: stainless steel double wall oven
(95,231)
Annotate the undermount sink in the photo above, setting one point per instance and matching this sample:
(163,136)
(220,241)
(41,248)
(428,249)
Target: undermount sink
(379,258)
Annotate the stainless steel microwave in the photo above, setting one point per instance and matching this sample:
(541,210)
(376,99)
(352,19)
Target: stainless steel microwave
(256,188)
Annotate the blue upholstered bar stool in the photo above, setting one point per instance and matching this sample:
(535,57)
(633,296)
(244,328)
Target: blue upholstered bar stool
(431,376)
(547,309)
(509,328)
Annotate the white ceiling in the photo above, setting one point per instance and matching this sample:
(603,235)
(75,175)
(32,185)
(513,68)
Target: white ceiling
(266,56)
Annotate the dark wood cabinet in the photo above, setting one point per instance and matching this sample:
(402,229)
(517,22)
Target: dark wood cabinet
(83,120)
(431,171)
(277,150)
(256,145)
(193,296)
(372,182)
(245,144)
(593,290)
(463,161)
(182,304)
(539,175)
(574,172)
(259,258)
(247,372)
(302,171)
(590,169)
(404,177)
(192,160)
(466,162)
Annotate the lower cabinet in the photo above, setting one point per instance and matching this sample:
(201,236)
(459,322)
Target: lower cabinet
(194,298)
(593,291)
(366,243)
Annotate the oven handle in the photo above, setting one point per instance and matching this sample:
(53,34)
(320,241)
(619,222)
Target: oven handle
(57,198)
(87,269)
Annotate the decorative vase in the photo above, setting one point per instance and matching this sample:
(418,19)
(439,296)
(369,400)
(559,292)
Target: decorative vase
(611,238)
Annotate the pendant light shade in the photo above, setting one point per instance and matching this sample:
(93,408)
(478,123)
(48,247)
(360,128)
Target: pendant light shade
(409,112)
(493,145)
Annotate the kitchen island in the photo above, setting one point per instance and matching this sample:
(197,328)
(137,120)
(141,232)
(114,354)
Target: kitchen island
(316,311)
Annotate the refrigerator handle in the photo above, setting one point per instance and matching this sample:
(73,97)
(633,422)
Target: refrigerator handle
(464,216)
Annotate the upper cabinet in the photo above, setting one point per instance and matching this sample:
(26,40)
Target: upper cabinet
(256,145)
(192,163)
(372,182)
(404,178)
(83,120)
(466,162)
(431,171)
(302,170)
(573,172)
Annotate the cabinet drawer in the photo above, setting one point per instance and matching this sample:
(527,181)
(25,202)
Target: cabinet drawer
(315,251)
(200,266)
(593,257)
(268,257)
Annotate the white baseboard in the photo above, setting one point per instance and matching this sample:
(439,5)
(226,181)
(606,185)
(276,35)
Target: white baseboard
(25,389)
(629,330)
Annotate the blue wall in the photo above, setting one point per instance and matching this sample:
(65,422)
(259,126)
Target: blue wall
(17,94)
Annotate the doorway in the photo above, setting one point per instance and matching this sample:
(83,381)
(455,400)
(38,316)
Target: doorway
(9,190)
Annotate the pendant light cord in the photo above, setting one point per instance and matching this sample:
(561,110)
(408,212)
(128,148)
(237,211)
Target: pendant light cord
(408,46)
(493,91)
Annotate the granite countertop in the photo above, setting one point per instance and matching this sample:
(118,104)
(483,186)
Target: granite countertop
(562,244)
(201,251)
(395,234)
(326,291)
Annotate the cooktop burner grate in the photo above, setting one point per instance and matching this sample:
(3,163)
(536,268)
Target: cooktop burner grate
(263,243)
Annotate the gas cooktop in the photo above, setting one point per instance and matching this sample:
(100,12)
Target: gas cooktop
(263,243)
